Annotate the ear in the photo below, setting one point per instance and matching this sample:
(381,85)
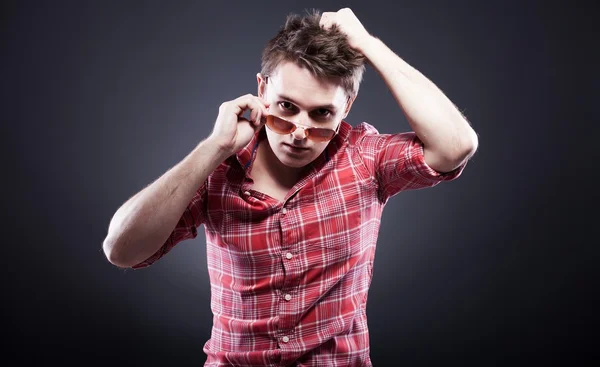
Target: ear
(348,106)
(261,80)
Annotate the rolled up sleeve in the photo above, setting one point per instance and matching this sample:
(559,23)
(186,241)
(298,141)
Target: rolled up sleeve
(398,163)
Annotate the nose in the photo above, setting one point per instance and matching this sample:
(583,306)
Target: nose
(299,133)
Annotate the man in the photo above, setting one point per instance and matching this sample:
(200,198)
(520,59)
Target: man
(292,210)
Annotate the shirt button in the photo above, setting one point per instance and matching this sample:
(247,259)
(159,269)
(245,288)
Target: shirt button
(283,211)
(289,255)
(288,297)
(285,339)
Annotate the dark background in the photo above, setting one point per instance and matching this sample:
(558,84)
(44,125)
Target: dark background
(499,267)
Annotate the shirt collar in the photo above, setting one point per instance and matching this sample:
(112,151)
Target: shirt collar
(246,154)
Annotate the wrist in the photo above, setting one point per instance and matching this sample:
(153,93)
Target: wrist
(215,148)
(366,45)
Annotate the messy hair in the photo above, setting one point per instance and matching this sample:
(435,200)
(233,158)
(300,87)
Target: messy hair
(325,53)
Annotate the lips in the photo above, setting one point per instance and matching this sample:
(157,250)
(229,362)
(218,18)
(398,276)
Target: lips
(294,147)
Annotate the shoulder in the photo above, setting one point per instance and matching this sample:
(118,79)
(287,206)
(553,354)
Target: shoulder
(366,136)
(360,131)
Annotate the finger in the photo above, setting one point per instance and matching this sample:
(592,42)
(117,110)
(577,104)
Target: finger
(255,116)
(264,101)
(262,117)
(258,120)
(254,100)
(263,111)
(258,109)
(326,20)
(246,102)
(243,103)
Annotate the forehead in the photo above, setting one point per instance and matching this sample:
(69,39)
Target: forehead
(300,85)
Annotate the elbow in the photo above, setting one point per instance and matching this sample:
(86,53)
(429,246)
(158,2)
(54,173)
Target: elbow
(465,149)
(113,254)
(469,145)
(455,155)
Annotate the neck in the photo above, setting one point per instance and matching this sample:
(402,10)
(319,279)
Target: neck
(269,164)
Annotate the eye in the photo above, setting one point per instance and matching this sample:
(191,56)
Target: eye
(323,112)
(286,105)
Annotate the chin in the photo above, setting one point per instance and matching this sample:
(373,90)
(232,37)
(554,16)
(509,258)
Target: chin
(292,162)
(291,159)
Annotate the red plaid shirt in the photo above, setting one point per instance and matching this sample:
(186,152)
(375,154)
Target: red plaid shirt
(289,280)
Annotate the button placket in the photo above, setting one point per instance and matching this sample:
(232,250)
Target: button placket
(286,321)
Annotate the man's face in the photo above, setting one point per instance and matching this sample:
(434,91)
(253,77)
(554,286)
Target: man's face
(295,95)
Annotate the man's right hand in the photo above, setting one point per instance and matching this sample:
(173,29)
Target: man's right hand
(232,131)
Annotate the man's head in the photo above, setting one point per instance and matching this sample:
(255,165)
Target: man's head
(309,76)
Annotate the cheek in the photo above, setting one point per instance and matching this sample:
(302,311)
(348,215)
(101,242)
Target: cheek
(273,139)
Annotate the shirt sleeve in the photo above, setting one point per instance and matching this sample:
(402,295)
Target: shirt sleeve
(398,164)
(186,228)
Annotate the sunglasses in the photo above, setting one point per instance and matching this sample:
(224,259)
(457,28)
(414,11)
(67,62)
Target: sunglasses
(283,127)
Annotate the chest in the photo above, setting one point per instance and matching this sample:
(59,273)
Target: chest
(330,220)
(330,210)
(271,188)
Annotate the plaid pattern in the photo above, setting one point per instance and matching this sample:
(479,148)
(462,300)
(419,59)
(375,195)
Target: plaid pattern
(289,280)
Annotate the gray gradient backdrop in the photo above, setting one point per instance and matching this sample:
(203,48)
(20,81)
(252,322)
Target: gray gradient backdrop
(101,97)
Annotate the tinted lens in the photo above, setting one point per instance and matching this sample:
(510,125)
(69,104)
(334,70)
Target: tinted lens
(320,135)
(278,125)
(281,126)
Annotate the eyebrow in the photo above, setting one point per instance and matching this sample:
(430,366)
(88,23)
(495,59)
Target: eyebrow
(327,106)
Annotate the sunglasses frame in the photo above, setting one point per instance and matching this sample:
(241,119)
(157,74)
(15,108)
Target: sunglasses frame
(306,129)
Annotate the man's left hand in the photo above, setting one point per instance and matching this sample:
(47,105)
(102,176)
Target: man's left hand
(348,23)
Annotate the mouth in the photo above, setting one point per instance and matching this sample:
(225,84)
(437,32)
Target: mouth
(294,148)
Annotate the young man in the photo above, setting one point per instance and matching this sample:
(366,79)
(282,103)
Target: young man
(292,210)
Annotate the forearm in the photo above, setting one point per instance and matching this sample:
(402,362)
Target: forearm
(143,223)
(446,134)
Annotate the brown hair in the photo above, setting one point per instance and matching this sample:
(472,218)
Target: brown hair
(325,53)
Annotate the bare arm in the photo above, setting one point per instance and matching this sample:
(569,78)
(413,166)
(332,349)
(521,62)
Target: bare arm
(144,222)
(446,134)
